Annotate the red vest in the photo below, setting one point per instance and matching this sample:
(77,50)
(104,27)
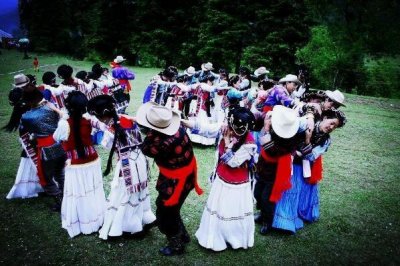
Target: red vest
(237,175)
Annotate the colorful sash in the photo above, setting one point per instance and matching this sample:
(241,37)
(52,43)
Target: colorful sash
(41,143)
(282,176)
(180,174)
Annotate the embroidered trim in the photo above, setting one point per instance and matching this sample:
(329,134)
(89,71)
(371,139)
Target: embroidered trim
(228,218)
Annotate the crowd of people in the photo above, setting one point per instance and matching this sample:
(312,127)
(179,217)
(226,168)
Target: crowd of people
(269,142)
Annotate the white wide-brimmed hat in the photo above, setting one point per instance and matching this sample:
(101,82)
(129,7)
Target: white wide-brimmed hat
(159,118)
(190,71)
(20,81)
(207,66)
(284,121)
(290,78)
(336,96)
(119,59)
(260,71)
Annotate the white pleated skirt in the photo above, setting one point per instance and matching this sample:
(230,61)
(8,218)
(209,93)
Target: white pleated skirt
(196,138)
(84,202)
(228,217)
(26,182)
(128,212)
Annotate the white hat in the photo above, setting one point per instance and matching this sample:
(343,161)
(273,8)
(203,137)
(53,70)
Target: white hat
(290,78)
(336,96)
(20,81)
(159,118)
(190,71)
(207,66)
(284,121)
(260,71)
(119,59)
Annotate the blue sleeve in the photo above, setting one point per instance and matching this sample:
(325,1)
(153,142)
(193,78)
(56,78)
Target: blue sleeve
(318,151)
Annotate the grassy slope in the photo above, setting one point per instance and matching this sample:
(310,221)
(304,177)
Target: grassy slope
(359,198)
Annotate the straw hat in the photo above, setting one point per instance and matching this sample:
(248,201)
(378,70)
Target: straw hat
(260,71)
(284,121)
(336,96)
(159,118)
(20,81)
(119,59)
(290,78)
(207,66)
(190,71)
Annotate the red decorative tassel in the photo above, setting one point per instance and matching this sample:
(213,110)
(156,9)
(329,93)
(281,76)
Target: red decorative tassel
(282,180)
(316,171)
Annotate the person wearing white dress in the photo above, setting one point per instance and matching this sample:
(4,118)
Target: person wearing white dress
(228,218)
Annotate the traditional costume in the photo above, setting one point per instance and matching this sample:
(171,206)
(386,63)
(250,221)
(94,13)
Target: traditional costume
(128,205)
(228,215)
(167,142)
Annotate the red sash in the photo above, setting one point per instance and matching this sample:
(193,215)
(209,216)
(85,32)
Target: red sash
(267,108)
(125,83)
(181,175)
(282,176)
(41,143)
(316,171)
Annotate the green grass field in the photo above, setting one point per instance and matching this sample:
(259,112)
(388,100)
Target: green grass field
(360,194)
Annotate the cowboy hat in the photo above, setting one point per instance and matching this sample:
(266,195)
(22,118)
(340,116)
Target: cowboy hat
(290,78)
(207,66)
(20,81)
(336,96)
(159,118)
(284,121)
(260,71)
(190,71)
(119,59)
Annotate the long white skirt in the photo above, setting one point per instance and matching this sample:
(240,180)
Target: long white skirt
(128,212)
(196,138)
(26,182)
(228,217)
(84,201)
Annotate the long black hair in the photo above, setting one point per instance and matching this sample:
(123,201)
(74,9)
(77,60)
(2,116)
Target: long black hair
(104,106)
(76,104)
(19,108)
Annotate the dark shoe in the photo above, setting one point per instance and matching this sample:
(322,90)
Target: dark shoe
(258,218)
(169,251)
(264,229)
(57,205)
(147,227)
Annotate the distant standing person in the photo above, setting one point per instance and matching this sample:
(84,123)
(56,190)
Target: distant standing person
(122,74)
(36,64)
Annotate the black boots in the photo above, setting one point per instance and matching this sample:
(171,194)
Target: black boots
(264,229)
(184,233)
(175,246)
(258,218)
(57,205)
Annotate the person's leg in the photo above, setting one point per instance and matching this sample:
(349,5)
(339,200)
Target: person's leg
(170,222)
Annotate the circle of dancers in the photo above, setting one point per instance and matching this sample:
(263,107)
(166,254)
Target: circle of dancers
(269,141)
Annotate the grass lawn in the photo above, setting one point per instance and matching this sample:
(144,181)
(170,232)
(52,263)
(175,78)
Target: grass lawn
(360,195)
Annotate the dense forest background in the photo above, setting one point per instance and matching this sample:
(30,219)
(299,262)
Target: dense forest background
(351,45)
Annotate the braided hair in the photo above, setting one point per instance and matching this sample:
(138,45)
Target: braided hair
(104,106)
(76,104)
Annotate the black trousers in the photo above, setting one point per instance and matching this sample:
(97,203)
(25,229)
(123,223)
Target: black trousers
(169,217)
(266,174)
(54,174)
